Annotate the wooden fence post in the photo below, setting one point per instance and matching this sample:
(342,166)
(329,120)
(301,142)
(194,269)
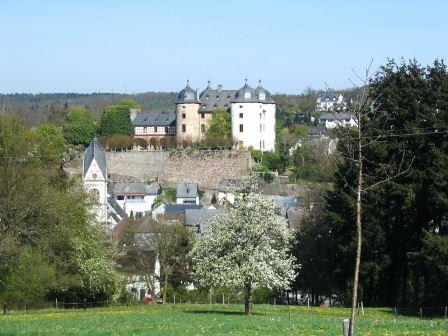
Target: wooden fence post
(421,312)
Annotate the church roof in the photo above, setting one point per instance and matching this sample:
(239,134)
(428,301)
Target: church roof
(151,118)
(94,151)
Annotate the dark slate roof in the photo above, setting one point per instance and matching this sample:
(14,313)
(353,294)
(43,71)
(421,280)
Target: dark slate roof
(174,209)
(118,209)
(94,151)
(255,95)
(286,202)
(187,95)
(187,190)
(152,118)
(137,188)
(225,184)
(194,217)
(328,96)
(336,116)
(219,99)
(317,132)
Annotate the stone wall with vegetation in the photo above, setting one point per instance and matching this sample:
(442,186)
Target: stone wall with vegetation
(207,168)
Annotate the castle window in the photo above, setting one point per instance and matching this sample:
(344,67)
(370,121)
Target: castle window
(247,95)
(241,115)
(120,198)
(241,128)
(202,128)
(155,129)
(241,106)
(166,130)
(262,96)
(202,115)
(184,115)
(261,128)
(184,128)
(145,129)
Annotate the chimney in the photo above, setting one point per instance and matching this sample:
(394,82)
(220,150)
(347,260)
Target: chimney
(219,88)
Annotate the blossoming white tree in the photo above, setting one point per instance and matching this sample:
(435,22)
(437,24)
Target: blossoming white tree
(246,246)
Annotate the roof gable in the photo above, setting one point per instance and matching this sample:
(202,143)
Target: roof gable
(95,152)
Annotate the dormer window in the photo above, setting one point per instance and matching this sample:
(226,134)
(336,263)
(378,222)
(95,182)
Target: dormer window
(262,96)
(217,97)
(247,95)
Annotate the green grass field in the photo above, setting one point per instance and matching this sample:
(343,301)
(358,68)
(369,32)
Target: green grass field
(220,320)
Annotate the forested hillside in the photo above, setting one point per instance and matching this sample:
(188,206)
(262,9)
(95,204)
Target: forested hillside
(53,107)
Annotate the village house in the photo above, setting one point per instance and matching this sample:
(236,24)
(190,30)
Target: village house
(187,193)
(225,190)
(136,198)
(328,101)
(336,119)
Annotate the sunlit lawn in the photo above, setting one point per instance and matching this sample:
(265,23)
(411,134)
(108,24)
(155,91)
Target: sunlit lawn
(220,320)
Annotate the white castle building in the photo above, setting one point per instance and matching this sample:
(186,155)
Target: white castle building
(252,113)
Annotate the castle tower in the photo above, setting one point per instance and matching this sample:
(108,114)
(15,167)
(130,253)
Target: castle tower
(187,116)
(95,177)
(253,118)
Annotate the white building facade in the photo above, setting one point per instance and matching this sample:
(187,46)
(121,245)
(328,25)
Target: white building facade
(95,178)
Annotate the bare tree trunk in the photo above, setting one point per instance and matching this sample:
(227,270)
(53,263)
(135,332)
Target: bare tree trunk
(165,287)
(358,228)
(248,299)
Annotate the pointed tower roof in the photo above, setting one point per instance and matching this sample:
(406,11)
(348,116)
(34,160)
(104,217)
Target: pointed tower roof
(94,151)
(188,95)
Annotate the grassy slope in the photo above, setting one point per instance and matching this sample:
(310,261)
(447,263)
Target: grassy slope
(222,320)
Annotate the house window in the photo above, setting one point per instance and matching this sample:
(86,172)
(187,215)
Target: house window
(260,145)
(184,128)
(261,128)
(166,130)
(183,115)
(247,95)
(94,176)
(202,115)
(120,198)
(145,129)
(202,128)
(241,115)
(241,128)
(155,129)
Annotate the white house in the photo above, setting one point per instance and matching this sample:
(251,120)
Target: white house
(187,193)
(95,178)
(333,120)
(136,198)
(328,101)
(225,190)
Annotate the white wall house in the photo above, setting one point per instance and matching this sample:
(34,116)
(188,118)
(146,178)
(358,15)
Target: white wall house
(187,193)
(328,101)
(225,190)
(333,120)
(136,198)
(95,178)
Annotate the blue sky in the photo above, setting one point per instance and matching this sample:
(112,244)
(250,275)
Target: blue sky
(136,46)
